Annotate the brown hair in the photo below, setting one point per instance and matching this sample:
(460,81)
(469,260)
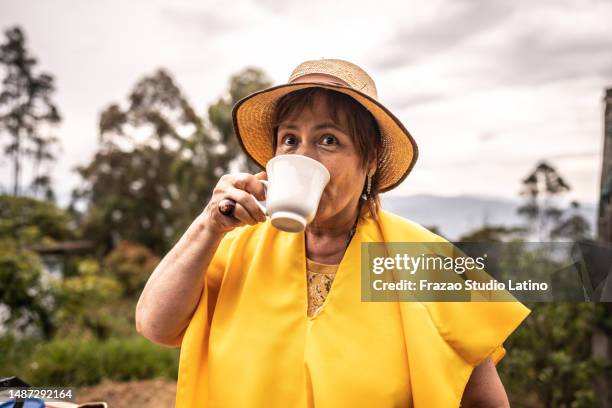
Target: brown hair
(362,128)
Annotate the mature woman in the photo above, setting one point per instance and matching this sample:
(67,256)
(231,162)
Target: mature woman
(272,318)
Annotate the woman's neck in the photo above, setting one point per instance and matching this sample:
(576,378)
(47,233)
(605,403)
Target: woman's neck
(327,241)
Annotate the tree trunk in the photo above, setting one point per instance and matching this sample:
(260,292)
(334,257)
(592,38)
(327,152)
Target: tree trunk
(602,338)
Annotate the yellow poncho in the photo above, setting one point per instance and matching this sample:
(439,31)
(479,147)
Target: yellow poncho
(250,342)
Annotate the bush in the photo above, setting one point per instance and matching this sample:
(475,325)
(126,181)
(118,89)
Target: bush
(88,303)
(27,301)
(76,362)
(549,357)
(131,265)
(13,353)
(27,224)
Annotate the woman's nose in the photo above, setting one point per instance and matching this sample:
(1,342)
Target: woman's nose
(306,150)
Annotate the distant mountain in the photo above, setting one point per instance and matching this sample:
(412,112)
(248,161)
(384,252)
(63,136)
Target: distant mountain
(455,216)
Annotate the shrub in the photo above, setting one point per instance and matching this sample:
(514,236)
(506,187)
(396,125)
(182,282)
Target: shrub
(77,362)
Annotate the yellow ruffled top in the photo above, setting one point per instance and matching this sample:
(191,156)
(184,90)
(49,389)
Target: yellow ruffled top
(251,342)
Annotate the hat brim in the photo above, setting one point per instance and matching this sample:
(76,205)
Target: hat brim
(252,118)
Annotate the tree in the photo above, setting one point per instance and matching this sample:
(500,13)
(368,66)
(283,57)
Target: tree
(574,227)
(31,222)
(129,185)
(242,84)
(27,113)
(492,233)
(540,186)
(157,163)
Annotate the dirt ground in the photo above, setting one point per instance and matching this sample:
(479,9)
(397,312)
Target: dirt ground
(158,393)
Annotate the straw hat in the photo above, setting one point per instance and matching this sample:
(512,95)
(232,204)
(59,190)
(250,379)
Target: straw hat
(253,116)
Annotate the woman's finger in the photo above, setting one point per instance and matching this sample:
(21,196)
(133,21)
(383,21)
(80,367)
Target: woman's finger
(248,202)
(243,215)
(251,183)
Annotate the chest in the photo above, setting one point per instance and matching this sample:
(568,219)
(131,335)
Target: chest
(352,352)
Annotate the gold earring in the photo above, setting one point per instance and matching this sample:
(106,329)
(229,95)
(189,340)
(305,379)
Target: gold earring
(369,188)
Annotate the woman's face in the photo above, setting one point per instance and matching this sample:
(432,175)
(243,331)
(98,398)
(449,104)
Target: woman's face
(314,134)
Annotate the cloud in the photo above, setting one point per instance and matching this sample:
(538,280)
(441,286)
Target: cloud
(407,99)
(453,55)
(278,6)
(536,57)
(453,24)
(490,43)
(285,7)
(205,19)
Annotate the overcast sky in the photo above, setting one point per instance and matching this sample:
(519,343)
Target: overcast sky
(486,88)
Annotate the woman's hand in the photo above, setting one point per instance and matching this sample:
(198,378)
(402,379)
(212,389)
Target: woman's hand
(244,189)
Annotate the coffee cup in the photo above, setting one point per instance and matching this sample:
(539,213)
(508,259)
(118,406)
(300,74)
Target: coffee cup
(293,191)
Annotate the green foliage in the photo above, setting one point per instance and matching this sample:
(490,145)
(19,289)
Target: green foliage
(27,224)
(127,192)
(131,265)
(77,362)
(22,293)
(33,222)
(15,352)
(549,356)
(99,301)
(85,302)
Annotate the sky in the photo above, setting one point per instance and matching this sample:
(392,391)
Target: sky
(486,87)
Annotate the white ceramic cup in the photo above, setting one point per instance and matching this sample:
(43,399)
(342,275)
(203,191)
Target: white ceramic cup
(293,191)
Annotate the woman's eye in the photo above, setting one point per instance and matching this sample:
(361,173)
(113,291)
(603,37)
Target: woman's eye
(329,140)
(289,139)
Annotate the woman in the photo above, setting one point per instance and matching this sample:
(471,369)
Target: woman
(271,318)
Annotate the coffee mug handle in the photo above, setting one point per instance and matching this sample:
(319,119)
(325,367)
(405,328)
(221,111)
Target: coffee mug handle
(261,204)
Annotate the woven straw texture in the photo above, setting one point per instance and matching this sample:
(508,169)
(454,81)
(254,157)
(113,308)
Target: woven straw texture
(253,116)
